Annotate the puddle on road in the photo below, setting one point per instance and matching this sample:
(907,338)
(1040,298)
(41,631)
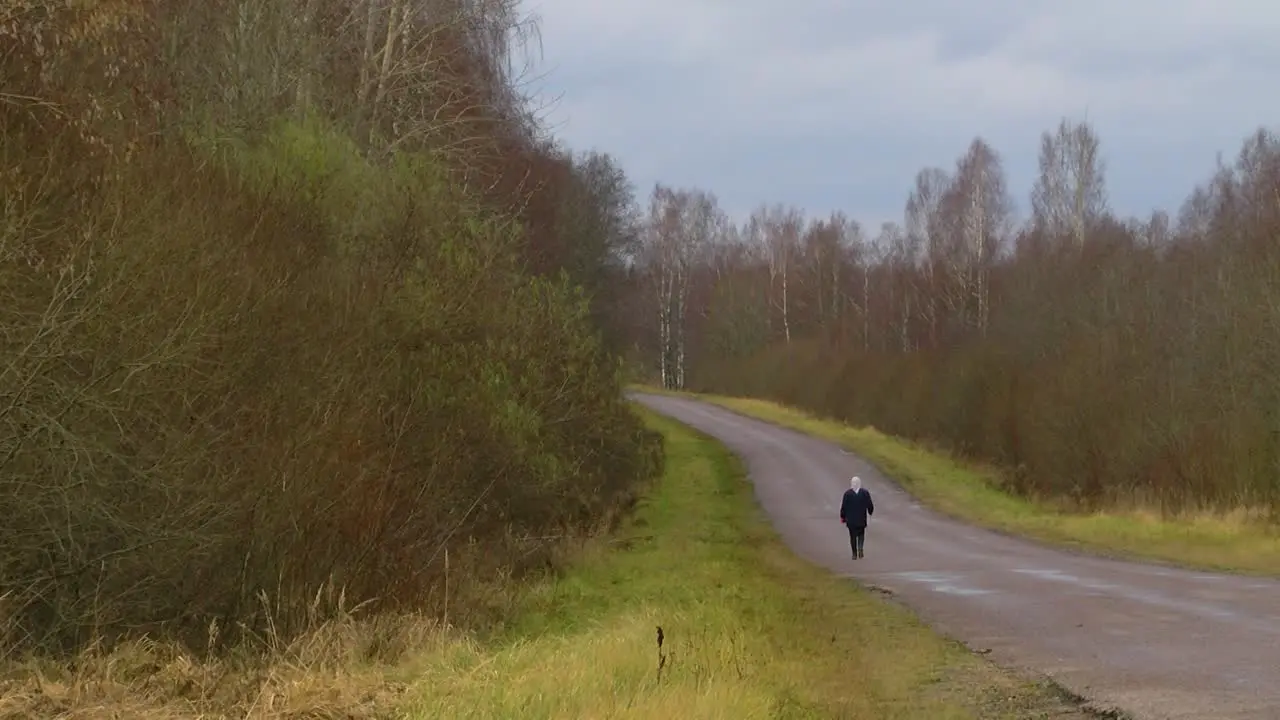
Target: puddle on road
(1059,576)
(1154,599)
(945,583)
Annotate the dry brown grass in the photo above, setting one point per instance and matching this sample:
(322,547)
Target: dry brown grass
(346,668)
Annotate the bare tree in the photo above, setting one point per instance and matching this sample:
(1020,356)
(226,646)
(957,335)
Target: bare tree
(682,226)
(728,251)
(980,212)
(1195,216)
(1070,195)
(1258,171)
(900,252)
(704,226)
(924,228)
(847,235)
(778,230)
(871,255)
(822,258)
(661,256)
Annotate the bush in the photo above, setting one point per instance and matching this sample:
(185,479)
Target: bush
(240,369)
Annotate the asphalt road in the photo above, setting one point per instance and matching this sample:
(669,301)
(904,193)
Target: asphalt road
(1154,642)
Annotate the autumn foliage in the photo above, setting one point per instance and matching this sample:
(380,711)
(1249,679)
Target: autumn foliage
(1098,360)
(282,320)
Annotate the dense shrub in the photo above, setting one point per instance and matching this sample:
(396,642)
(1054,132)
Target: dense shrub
(241,363)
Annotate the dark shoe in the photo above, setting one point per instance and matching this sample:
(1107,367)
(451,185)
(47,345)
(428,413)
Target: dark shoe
(861,554)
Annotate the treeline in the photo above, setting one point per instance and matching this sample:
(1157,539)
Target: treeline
(1100,360)
(297,301)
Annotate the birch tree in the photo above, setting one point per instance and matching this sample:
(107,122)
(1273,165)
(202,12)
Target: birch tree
(703,226)
(661,255)
(826,248)
(680,228)
(981,211)
(899,252)
(408,86)
(1258,170)
(1070,195)
(870,253)
(818,250)
(737,314)
(847,234)
(924,228)
(777,229)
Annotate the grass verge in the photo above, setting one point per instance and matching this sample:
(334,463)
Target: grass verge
(1236,542)
(750,631)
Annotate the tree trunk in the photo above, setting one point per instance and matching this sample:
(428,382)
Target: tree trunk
(681,296)
(394,21)
(835,290)
(786,318)
(866,309)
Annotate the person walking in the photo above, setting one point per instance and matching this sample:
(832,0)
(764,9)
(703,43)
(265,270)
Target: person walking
(855,508)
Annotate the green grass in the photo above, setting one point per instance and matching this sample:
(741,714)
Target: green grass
(1237,542)
(750,630)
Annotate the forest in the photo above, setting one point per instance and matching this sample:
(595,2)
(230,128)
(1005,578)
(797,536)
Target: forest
(1097,360)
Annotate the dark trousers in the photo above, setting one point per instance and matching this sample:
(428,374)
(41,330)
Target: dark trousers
(857,536)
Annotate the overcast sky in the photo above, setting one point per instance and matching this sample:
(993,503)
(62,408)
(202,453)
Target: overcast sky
(835,104)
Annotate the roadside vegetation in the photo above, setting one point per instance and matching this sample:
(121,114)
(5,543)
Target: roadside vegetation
(304,347)
(749,631)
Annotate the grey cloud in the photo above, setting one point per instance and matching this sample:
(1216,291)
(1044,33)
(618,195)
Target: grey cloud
(832,103)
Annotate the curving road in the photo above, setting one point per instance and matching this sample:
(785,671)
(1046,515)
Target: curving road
(1151,641)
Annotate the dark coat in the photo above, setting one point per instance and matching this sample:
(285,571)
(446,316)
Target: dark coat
(855,507)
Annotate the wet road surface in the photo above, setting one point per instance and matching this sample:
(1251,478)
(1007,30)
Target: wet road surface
(1153,641)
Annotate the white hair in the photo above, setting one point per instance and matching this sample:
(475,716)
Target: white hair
(855,483)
